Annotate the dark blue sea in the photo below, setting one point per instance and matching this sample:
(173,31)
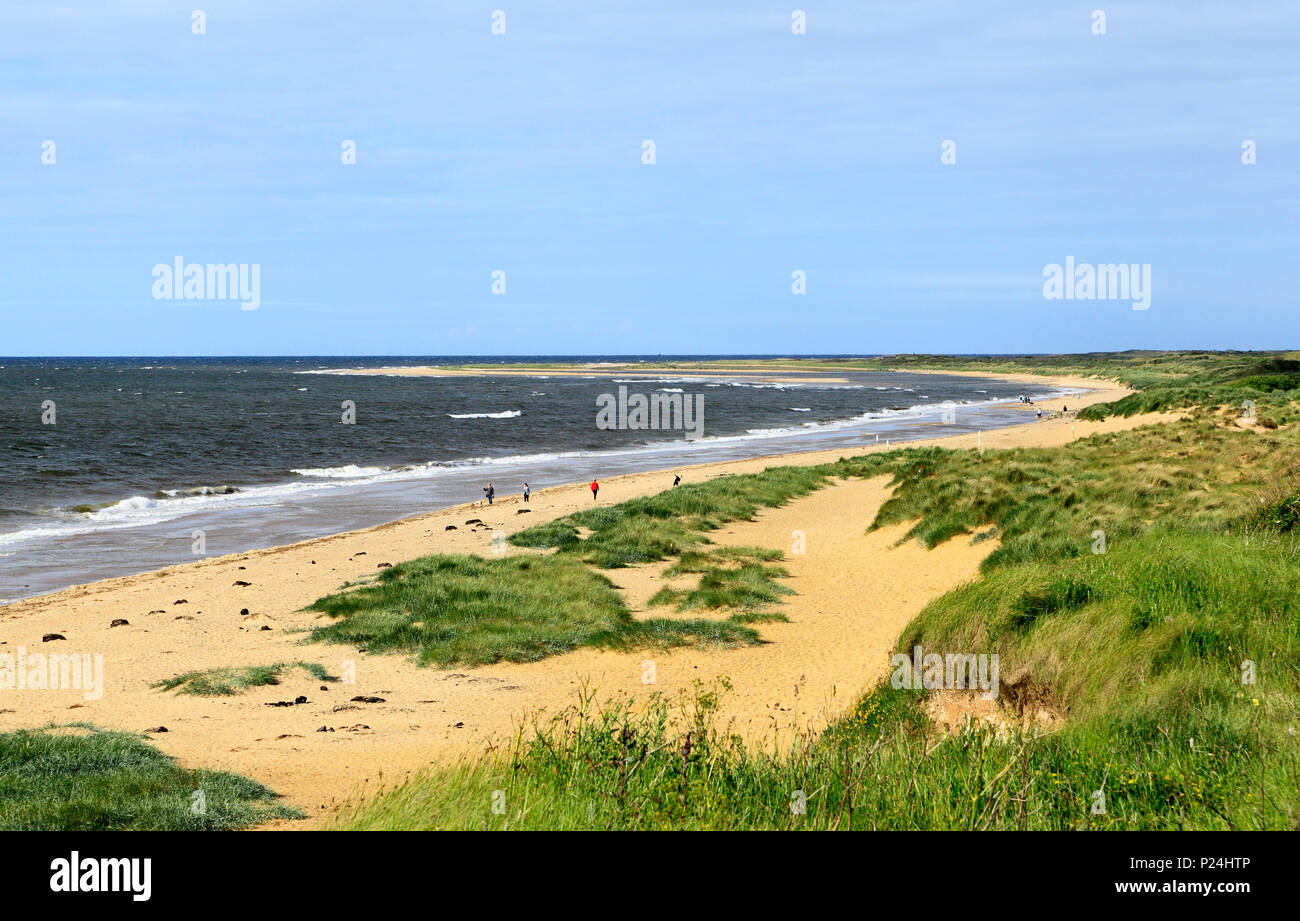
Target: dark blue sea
(140,453)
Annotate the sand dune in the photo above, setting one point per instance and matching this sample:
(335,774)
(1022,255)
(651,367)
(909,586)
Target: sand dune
(856,592)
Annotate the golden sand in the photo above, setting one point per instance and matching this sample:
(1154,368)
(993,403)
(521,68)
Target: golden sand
(856,593)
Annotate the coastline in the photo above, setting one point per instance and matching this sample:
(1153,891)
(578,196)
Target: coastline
(273,503)
(792,376)
(431,714)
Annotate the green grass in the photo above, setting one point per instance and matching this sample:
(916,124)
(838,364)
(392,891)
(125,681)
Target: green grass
(670,523)
(1049,503)
(1136,574)
(1139,576)
(466,610)
(629,767)
(881,767)
(735,579)
(225,682)
(92,780)
(1270,381)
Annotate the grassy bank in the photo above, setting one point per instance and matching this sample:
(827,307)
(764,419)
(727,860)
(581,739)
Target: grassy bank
(466,610)
(1144,600)
(669,523)
(78,778)
(1146,592)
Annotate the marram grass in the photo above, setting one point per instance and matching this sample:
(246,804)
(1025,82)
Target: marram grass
(225,682)
(1146,593)
(79,778)
(467,610)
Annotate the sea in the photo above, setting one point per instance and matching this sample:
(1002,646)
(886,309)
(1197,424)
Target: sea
(110,467)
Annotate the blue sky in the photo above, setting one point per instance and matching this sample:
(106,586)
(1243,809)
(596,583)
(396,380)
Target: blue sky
(522,152)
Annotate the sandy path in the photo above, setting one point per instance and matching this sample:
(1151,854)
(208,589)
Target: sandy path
(855,596)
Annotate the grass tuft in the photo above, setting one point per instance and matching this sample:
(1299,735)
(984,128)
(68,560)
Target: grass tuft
(79,778)
(226,682)
(467,610)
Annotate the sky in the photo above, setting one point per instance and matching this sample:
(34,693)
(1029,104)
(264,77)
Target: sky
(522,152)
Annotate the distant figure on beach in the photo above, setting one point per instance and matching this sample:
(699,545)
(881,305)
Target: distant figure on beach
(489,492)
(1064,408)
(527,492)
(677,479)
(1039,413)
(595,488)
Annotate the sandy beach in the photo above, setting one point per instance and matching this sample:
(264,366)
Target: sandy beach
(855,593)
(601,369)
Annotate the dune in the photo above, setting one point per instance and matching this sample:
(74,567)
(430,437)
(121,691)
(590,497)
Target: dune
(855,593)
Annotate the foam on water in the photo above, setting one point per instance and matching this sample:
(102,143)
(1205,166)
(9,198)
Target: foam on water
(119,485)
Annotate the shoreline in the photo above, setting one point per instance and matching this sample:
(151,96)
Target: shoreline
(339,505)
(779,376)
(712,374)
(189,617)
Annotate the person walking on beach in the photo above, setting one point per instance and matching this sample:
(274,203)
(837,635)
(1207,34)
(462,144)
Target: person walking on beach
(677,479)
(595,488)
(489,492)
(527,491)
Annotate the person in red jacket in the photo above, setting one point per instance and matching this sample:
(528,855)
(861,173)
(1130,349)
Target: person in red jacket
(595,488)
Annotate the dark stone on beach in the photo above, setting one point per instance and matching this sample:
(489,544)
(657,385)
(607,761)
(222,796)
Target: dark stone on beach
(243,612)
(120,622)
(450,527)
(241,583)
(159,611)
(457,725)
(52,636)
(369,700)
(523,511)
(265,627)
(182,617)
(180,601)
(324,688)
(475,521)
(360,553)
(157,729)
(300,699)
(281,703)
(383,566)
(345,707)
(325,729)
